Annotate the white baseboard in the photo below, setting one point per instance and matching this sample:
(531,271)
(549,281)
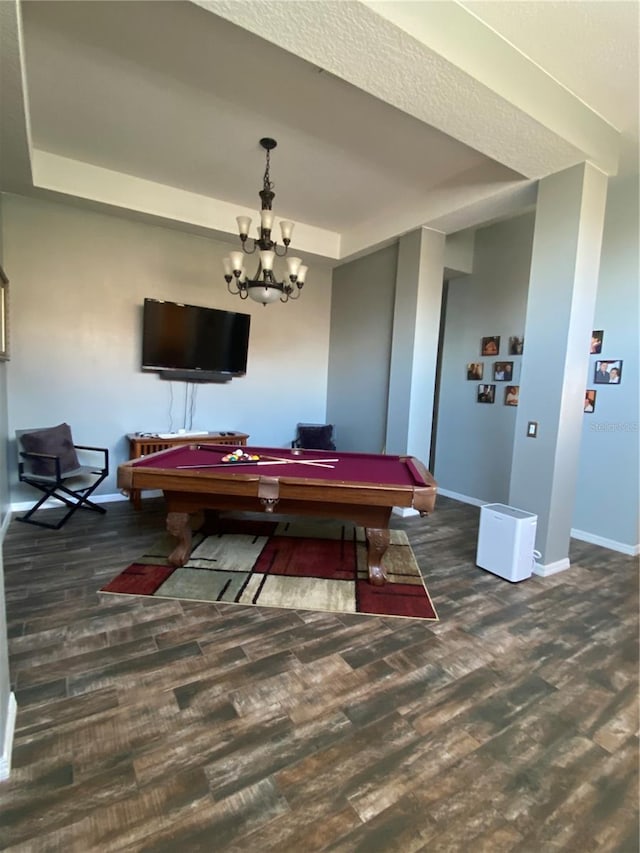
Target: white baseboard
(546,569)
(611,544)
(465,499)
(582,535)
(24,506)
(7,746)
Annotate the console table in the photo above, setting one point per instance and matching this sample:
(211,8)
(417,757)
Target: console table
(142,444)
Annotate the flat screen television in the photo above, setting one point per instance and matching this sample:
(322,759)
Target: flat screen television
(193,343)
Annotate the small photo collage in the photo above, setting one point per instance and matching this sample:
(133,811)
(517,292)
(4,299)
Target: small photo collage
(494,371)
(605,371)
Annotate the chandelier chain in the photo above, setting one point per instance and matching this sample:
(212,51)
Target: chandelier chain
(267,184)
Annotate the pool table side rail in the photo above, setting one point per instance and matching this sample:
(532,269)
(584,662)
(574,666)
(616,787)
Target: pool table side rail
(420,498)
(138,474)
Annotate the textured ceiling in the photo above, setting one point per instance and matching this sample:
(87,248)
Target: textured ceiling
(590,47)
(388,115)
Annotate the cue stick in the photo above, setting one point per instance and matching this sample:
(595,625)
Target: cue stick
(242,464)
(320,463)
(228,464)
(215,449)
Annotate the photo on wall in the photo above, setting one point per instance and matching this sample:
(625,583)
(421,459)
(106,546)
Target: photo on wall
(589,401)
(502,371)
(490,345)
(597,338)
(516,345)
(607,372)
(486,393)
(511,395)
(475,369)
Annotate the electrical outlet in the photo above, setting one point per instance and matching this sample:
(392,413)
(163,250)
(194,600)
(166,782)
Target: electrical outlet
(532,429)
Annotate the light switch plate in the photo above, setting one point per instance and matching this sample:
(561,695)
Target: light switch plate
(532,429)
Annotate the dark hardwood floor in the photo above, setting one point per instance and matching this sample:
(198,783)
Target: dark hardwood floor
(150,725)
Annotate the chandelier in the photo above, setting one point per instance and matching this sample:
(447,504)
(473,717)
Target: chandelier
(264,287)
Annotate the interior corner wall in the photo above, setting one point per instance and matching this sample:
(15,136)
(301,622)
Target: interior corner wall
(78,282)
(608,491)
(363,295)
(474,441)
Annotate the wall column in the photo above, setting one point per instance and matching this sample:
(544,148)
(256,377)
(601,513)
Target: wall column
(560,308)
(414,344)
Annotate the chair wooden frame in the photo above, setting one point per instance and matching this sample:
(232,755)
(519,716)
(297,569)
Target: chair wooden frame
(72,488)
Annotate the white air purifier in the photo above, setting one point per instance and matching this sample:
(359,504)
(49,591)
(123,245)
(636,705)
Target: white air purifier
(506,541)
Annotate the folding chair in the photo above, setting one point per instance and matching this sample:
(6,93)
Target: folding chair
(48,460)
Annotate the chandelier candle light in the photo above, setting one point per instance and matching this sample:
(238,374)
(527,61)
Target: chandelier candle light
(264,287)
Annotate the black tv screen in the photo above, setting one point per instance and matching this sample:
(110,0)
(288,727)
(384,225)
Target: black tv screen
(198,341)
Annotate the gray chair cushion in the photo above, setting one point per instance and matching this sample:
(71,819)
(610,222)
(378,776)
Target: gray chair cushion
(56,441)
(316,436)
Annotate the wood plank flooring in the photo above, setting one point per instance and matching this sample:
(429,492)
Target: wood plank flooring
(149,725)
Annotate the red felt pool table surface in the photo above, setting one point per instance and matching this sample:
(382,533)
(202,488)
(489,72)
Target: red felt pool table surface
(355,467)
(362,487)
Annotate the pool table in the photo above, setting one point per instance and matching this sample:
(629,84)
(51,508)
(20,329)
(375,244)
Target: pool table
(359,487)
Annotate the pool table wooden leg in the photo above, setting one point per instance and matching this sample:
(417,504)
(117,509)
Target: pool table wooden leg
(377,543)
(178,525)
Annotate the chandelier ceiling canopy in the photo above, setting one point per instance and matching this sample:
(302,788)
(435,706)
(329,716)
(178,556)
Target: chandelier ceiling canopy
(264,287)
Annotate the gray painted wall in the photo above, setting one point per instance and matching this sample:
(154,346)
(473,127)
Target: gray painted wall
(4,479)
(607,491)
(5,681)
(79,279)
(563,285)
(362,302)
(474,440)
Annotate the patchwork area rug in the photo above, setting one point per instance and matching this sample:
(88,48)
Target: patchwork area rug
(304,565)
